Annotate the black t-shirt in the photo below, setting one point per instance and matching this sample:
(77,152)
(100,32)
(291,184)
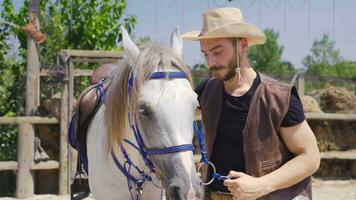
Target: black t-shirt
(228,146)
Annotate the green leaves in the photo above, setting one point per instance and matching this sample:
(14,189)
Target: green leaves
(71,24)
(325,60)
(96,27)
(267,58)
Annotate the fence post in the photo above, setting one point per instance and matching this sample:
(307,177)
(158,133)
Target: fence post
(26,133)
(301,83)
(25,153)
(63,149)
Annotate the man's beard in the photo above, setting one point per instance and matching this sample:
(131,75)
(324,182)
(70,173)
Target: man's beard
(231,69)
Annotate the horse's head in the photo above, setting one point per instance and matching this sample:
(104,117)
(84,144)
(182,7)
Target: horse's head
(164,109)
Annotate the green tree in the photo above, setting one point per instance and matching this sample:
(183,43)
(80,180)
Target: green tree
(267,58)
(323,56)
(345,69)
(200,72)
(73,24)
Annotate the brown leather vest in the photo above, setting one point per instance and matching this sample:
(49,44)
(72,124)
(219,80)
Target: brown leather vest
(264,149)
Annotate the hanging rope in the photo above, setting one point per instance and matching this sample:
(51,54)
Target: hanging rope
(285,15)
(248,6)
(219,4)
(156,18)
(333,25)
(271,7)
(298,8)
(309,17)
(30,28)
(259,12)
(169,4)
(183,13)
(198,4)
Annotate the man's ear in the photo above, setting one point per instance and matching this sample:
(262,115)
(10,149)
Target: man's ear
(244,44)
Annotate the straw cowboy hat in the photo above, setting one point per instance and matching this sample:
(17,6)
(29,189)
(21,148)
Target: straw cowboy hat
(226,22)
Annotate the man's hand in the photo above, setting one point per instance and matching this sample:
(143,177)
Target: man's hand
(245,187)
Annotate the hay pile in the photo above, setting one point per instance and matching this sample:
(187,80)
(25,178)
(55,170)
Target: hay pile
(333,135)
(310,104)
(338,100)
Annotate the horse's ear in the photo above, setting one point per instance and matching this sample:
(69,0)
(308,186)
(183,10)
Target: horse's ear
(130,47)
(176,42)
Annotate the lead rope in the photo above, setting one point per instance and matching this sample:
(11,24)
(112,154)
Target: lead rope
(199,134)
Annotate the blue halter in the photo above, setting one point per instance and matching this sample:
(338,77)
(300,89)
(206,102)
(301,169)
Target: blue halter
(134,127)
(145,153)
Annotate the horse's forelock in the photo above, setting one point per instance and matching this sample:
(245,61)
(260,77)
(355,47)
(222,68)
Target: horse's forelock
(151,56)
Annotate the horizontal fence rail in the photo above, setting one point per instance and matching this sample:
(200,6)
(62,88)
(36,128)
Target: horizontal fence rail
(46,165)
(330,116)
(30,120)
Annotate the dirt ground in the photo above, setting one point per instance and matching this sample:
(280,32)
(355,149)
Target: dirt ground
(322,190)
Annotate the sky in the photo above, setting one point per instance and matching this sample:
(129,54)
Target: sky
(298,22)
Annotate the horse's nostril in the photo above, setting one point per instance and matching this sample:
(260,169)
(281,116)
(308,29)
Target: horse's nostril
(175,193)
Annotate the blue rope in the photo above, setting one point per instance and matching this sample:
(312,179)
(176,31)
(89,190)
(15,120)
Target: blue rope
(219,177)
(199,134)
(100,87)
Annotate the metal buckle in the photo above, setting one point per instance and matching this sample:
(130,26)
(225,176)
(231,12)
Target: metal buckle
(214,171)
(139,187)
(155,184)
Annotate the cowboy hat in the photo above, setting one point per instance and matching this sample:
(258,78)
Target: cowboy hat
(224,23)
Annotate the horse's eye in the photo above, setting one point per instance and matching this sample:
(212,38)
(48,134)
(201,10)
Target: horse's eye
(144,111)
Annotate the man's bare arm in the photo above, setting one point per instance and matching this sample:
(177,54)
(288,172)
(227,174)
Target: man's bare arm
(301,141)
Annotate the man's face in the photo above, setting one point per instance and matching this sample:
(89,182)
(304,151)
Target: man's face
(220,55)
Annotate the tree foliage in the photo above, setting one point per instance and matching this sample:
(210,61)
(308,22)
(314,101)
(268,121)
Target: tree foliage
(322,52)
(325,60)
(267,58)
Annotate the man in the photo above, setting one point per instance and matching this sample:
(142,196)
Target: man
(255,127)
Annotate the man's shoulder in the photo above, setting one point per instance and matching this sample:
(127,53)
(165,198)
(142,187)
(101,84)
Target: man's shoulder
(207,83)
(268,80)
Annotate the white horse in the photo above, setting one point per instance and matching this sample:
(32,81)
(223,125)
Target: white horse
(164,111)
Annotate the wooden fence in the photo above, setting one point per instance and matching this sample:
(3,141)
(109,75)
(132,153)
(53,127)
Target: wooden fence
(25,146)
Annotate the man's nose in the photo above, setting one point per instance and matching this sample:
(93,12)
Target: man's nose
(210,61)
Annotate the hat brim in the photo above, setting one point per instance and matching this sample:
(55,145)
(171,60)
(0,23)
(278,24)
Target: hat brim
(244,30)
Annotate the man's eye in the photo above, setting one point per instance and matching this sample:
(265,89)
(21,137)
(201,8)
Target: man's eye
(217,52)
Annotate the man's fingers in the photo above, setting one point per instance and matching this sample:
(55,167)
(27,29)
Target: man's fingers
(232,188)
(229,182)
(235,174)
